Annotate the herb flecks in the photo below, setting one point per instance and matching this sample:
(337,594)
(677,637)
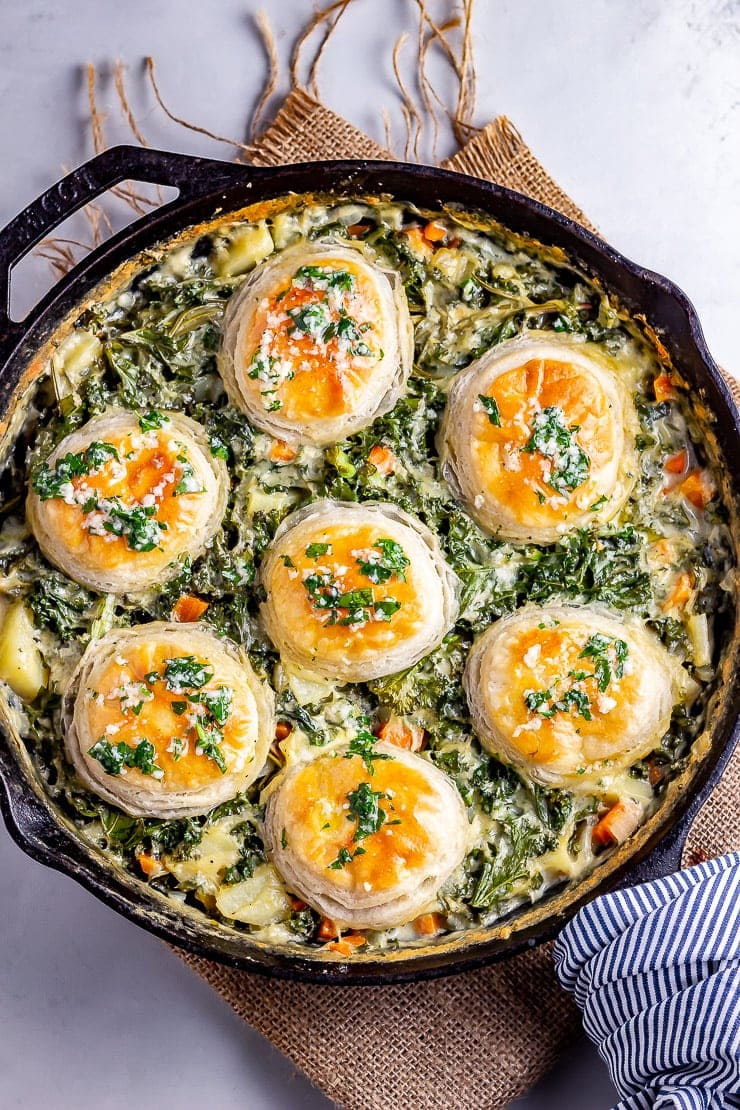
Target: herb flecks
(363,808)
(115,759)
(491,409)
(352,608)
(207,710)
(570,693)
(363,745)
(552,438)
(389,560)
(51,482)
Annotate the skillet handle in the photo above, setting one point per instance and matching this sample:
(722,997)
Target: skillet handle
(192,176)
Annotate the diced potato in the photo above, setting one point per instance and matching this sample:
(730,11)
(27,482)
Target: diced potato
(76,354)
(259,900)
(451,264)
(217,850)
(21,662)
(307,688)
(260,500)
(697,626)
(246,247)
(284,229)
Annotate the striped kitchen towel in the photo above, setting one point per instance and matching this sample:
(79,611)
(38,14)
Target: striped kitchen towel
(656,971)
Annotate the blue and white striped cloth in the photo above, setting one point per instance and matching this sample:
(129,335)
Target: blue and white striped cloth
(656,971)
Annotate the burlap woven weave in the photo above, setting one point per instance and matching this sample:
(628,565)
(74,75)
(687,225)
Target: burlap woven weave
(478,1040)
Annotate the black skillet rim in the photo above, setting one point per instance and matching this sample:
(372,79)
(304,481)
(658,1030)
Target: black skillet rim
(207,187)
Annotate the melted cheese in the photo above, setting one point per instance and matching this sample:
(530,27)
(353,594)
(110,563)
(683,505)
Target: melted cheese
(535,439)
(122,694)
(166,476)
(400,866)
(330,607)
(317,343)
(569,694)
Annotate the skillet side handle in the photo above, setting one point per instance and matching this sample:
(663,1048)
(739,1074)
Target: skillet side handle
(191,176)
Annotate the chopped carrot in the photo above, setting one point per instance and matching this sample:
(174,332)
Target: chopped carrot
(434,233)
(382,458)
(402,733)
(616,825)
(282,730)
(149,865)
(680,595)
(663,551)
(327,929)
(357,229)
(656,773)
(663,386)
(189,608)
(417,242)
(698,488)
(429,924)
(297,905)
(678,463)
(347,944)
(282,451)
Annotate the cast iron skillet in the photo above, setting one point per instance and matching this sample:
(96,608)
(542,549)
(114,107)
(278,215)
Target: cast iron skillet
(207,188)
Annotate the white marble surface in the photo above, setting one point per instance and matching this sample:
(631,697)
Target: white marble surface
(635,108)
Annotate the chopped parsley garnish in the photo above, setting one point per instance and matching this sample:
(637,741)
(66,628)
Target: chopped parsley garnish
(597,648)
(547,703)
(310,319)
(113,758)
(137,524)
(348,333)
(365,809)
(344,857)
(185,672)
(188,481)
(360,604)
(217,702)
(490,407)
(50,482)
(316,550)
(210,737)
(386,608)
(363,745)
(321,277)
(152,420)
(177,745)
(574,699)
(555,441)
(392,560)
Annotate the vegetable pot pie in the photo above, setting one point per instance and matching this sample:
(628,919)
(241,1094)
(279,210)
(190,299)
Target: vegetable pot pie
(348,645)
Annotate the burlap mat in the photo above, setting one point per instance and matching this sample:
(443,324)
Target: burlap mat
(478,1040)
